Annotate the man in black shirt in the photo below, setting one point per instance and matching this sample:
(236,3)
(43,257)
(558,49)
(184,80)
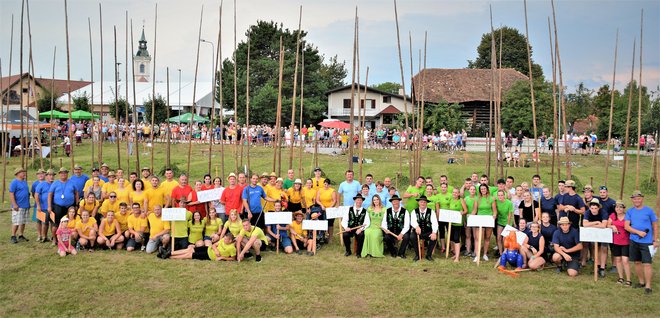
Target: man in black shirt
(567,245)
(571,205)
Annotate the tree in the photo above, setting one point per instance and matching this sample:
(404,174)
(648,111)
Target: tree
(579,105)
(517,108)
(321,75)
(120,106)
(81,102)
(620,113)
(43,103)
(514,52)
(443,116)
(160,114)
(389,87)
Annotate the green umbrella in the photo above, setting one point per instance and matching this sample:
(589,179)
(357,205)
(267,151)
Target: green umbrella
(55,114)
(81,114)
(185,118)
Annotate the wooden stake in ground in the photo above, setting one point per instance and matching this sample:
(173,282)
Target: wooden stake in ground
(91,102)
(421,118)
(562,99)
(68,80)
(596,257)
(222,112)
(403,84)
(491,96)
(5,137)
(100,128)
(295,86)
(639,99)
(554,115)
(479,239)
(117,139)
(153,90)
(612,91)
(498,113)
(352,115)
(247,102)
(192,110)
(626,141)
(137,143)
(531,89)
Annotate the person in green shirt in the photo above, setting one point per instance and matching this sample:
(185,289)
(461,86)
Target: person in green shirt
(250,237)
(288,182)
(441,201)
(196,229)
(470,200)
(485,205)
(180,228)
(414,192)
(457,204)
(504,217)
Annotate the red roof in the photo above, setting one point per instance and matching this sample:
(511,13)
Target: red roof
(59,86)
(389,110)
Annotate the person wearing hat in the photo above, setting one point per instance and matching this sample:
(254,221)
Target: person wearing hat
(397,222)
(64,235)
(597,218)
(41,204)
(61,195)
(146,174)
(41,175)
(567,246)
(642,224)
(19,194)
(110,186)
(95,173)
(289,181)
(294,193)
(353,223)
(588,191)
(571,205)
(78,178)
(608,203)
(277,193)
(425,223)
(317,180)
(105,169)
(620,243)
(299,236)
(263,180)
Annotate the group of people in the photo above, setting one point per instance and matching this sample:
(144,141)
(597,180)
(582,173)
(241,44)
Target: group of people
(109,210)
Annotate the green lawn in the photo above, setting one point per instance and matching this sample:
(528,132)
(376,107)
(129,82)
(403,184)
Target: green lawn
(37,282)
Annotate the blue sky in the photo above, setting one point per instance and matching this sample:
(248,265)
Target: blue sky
(586,33)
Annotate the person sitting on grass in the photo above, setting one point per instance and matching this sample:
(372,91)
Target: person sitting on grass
(534,248)
(597,217)
(212,228)
(250,237)
(87,230)
(64,246)
(233,225)
(159,231)
(196,229)
(110,232)
(227,248)
(138,229)
(567,245)
(280,231)
(299,236)
(202,253)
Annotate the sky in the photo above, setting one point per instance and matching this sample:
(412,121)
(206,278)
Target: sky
(586,33)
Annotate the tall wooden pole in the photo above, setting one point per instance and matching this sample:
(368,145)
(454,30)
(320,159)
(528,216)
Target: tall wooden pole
(211,129)
(492,95)
(153,91)
(612,91)
(403,82)
(247,101)
(222,107)
(626,141)
(639,100)
(68,79)
(362,124)
(192,110)
(278,123)
(167,124)
(554,115)
(236,98)
(117,101)
(412,168)
(137,143)
(360,102)
(20,79)
(32,90)
(91,102)
(295,86)
(352,115)
(52,105)
(5,137)
(100,128)
(300,122)
(421,115)
(562,97)
(531,88)
(498,112)
(126,125)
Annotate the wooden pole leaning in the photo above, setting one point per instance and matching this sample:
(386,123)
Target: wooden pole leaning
(639,100)
(68,81)
(609,130)
(531,87)
(626,140)
(192,110)
(153,91)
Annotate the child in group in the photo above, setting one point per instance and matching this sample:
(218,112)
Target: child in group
(298,235)
(87,230)
(280,231)
(63,238)
(71,224)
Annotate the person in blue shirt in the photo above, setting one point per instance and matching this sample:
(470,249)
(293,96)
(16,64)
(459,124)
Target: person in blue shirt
(78,178)
(19,194)
(33,188)
(642,224)
(41,200)
(280,231)
(567,246)
(252,195)
(349,188)
(61,195)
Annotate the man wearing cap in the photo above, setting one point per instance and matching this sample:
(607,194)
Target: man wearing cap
(567,246)
(588,191)
(317,181)
(354,221)
(61,195)
(79,179)
(33,189)
(41,199)
(596,217)
(348,189)
(19,194)
(425,223)
(180,191)
(571,205)
(397,222)
(95,173)
(288,182)
(608,203)
(642,224)
(105,169)
(146,180)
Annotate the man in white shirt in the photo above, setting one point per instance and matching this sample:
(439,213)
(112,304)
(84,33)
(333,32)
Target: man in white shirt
(354,221)
(396,225)
(425,223)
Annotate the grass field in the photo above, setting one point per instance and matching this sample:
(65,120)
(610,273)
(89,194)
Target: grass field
(34,281)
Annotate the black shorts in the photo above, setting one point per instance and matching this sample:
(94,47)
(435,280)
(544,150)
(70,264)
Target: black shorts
(639,252)
(294,206)
(180,243)
(573,264)
(201,253)
(619,250)
(300,243)
(455,236)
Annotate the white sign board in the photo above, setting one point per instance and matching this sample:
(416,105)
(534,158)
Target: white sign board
(209,195)
(450,216)
(174,214)
(617,158)
(520,236)
(592,234)
(277,218)
(315,225)
(508,229)
(480,221)
(336,213)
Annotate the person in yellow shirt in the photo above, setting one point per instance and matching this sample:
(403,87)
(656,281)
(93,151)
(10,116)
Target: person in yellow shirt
(317,181)
(227,248)
(138,195)
(109,186)
(120,175)
(95,174)
(233,224)
(213,227)
(138,227)
(327,197)
(295,196)
(159,229)
(122,217)
(196,229)
(91,205)
(250,237)
(87,230)
(168,185)
(309,195)
(109,205)
(155,195)
(95,186)
(146,177)
(123,191)
(110,232)
(205,253)
(299,236)
(276,193)
(74,219)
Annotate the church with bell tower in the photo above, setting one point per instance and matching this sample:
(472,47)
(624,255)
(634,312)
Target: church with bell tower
(142,62)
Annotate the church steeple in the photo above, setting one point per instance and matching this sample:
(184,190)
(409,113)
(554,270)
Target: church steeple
(142,64)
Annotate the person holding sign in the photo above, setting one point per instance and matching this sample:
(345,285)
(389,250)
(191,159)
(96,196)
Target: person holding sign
(373,235)
(620,241)
(642,224)
(193,201)
(250,237)
(567,245)
(252,195)
(354,221)
(180,228)
(470,199)
(597,217)
(485,205)
(280,232)
(298,235)
(425,223)
(327,197)
(504,217)
(41,200)
(396,225)
(456,204)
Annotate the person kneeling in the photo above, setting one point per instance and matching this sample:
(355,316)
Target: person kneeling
(280,232)
(250,237)
(111,232)
(299,236)
(567,247)
(87,229)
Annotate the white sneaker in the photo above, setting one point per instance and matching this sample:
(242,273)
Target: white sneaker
(485,258)
(475,259)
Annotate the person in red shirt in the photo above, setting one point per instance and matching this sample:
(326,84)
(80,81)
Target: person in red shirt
(231,196)
(208,184)
(193,202)
(182,190)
